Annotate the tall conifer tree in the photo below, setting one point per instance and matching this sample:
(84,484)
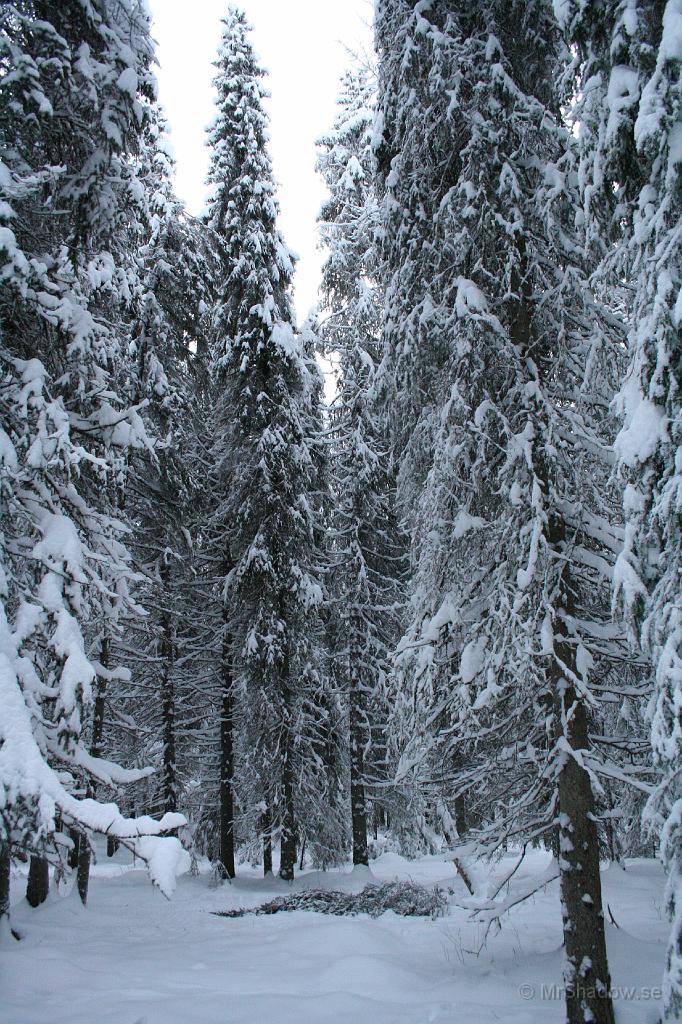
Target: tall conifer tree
(364,537)
(501,376)
(72,116)
(263,525)
(627,80)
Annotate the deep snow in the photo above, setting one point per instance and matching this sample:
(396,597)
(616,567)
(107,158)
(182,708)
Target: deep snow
(134,957)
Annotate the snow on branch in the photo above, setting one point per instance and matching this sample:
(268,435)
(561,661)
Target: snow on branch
(26,778)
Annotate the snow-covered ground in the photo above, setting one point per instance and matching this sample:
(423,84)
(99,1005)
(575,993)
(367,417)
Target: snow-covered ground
(134,957)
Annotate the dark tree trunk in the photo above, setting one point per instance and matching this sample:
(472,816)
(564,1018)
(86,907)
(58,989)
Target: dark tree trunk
(581,897)
(100,703)
(266,825)
(112,845)
(38,885)
(287,846)
(287,859)
(586,974)
(72,859)
(170,787)
(5,865)
(615,849)
(81,855)
(358,804)
(170,796)
(83,871)
(5,877)
(227,765)
(611,833)
(460,815)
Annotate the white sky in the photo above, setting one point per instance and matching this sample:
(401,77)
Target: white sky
(303,44)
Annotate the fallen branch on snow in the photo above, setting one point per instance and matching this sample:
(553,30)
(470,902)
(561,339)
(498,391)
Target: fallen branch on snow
(405,898)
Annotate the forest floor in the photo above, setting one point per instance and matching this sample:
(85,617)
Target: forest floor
(134,957)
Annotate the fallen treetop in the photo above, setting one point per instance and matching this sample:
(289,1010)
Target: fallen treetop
(405,898)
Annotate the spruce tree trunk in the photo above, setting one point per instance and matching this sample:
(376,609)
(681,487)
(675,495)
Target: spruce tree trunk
(227,769)
(614,856)
(83,871)
(358,803)
(170,789)
(287,848)
(72,858)
(226,795)
(459,803)
(266,825)
(100,698)
(5,865)
(38,885)
(81,856)
(586,971)
(287,859)
(460,815)
(170,797)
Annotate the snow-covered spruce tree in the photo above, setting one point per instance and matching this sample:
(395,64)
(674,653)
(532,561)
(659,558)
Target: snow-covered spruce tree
(263,525)
(650,450)
(170,350)
(364,540)
(324,781)
(502,373)
(630,55)
(151,718)
(70,119)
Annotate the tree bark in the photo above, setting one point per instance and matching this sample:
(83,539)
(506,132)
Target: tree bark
(170,787)
(266,825)
(358,804)
(287,847)
(38,885)
(72,858)
(227,769)
(5,865)
(460,815)
(587,979)
(287,859)
(586,971)
(100,703)
(82,855)
(83,870)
